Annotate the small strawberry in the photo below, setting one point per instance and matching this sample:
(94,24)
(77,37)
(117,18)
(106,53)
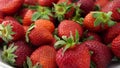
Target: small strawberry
(98,21)
(16,53)
(10,6)
(85,5)
(38,36)
(11,30)
(67,26)
(114,7)
(45,56)
(46,24)
(31,2)
(116,46)
(111,33)
(72,54)
(101,54)
(47,3)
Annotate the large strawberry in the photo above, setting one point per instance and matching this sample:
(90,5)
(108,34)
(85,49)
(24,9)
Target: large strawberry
(67,26)
(45,56)
(38,36)
(98,21)
(111,33)
(16,53)
(72,54)
(116,46)
(11,30)
(100,53)
(10,6)
(114,7)
(47,3)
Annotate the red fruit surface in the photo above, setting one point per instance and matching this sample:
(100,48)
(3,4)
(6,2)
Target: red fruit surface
(113,6)
(101,3)
(10,6)
(31,2)
(40,36)
(77,57)
(44,55)
(101,53)
(67,26)
(116,46)
(111,33)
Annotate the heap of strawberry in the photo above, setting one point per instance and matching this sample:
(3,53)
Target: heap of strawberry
(60,33)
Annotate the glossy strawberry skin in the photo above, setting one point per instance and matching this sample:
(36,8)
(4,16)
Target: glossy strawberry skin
(101,53)
(22,52)
(67,26)
(40,36)
(101,3)
(116,46)
(47,3)
(113,6)
(111,33)
(45,55)
(77,57)
(31,2)
(10,6)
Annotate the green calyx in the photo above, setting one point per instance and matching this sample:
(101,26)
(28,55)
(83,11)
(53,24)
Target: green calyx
(103,18)
(61,9)
(28,31)
(118,9)
(8,55)
(92,65)
(28,64)
(6,32)
(42,13)
(67,42)
(97,7)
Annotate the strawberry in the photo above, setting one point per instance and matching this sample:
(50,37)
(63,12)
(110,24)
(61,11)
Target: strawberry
(64,10)
(10,6)
(101,54)
(116,46)
(16,53)
(62,1)
(46,24)
(85,5)
(98,21)
(11,30)
(47,3)
(45,56)
(27,19)
(111,33)
(72,54)
(31,2)
(64,28)
(114,7)
(1,17)
(38,36)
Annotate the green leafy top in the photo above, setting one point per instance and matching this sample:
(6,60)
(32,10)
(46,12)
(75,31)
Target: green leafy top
(67,42)
(28,64)
(118,9)
(28,31)
(6,32)
(42,12)
(61,9)
(8,55)
(103,18)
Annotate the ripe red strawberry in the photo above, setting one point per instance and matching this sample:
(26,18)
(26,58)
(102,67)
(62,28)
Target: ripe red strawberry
(27,19)
(67,26)
(45,56)
(11,30)
(31,2)
(45,24)
(1,17)
(86,5)
(10,18)
(111,33)
(10,6)
(116,46)
(16,53)
(101,54)
(47,3)
(114,7)
(98,21)
(38,36)
(72,54)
